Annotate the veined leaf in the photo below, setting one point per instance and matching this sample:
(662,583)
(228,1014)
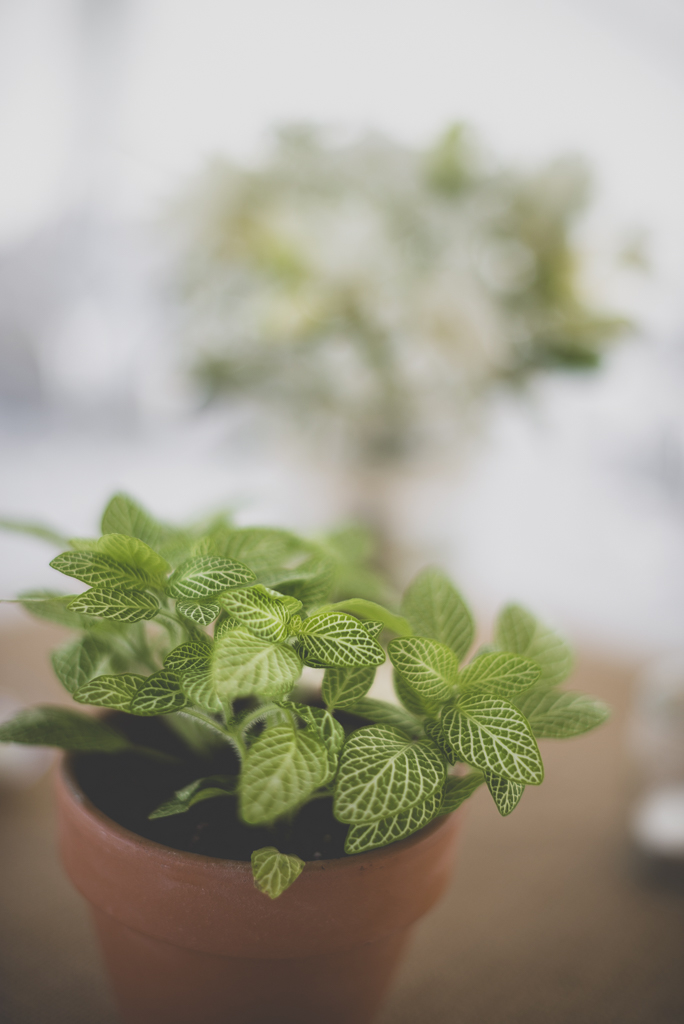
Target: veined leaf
(46,604)
(115,692)
(264,615)
(373,628)
(125,516)
(50,726)
(435,608)
(506,794)
(116,603)
(519,632)
(458,788)
(557,715)
(201,789)
(158,694)
(327,728)
(491,734)
(198,686)
(410,699)
(374,834)
(282,768)
(427,667)
(502,675)
(202,613)
(383,773)
(188,657)
(99,570)
(199,578)
(363,609)
(344,687)
(244,665)
(337,639)
(80,661)
(317,578)
(383,713)
(275,872)
(128,551)
(225,625)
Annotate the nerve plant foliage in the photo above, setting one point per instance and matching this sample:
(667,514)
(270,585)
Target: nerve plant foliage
(384,289)
(211,629)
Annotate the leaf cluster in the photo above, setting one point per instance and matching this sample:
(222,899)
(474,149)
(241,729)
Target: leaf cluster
(210,627)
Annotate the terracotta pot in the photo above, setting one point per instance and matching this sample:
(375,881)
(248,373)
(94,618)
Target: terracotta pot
(187,939)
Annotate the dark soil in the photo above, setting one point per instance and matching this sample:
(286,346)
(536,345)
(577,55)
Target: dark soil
(127,787)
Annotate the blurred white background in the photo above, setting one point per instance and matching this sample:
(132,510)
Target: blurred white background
(573,503)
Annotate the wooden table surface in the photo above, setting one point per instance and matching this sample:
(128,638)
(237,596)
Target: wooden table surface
(546,922)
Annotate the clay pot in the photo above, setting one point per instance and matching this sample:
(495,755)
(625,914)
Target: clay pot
(188,939)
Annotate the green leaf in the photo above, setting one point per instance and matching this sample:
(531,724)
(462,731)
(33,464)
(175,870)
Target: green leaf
(383,713)
(99,570)
(275,872)
(158,694)
(327,728)
(116,603)
(188,657)
(374,834)
(198,686)
(435,608)
(373,628)
(519,632)
(195,792)
(264,615)
(376,612)
(491,734)
(50,726)
(281,770)
(199,578)
(410,699)
(458,788)
(34,530)
(344,687)
(558,715)
(429,668)
(125,516)
(502,675)
(243,665)
(311,583)
(506,794)
(46,604)
(201,613)
(115,692)
(337,639)
(80,661)
(383,773)
(131,552)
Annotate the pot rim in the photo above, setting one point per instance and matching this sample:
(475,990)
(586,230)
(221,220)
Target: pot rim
(65,771)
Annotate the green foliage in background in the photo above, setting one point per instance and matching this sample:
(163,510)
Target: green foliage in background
(210,628)
(382,289)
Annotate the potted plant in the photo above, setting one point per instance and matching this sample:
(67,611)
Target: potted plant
(253,850)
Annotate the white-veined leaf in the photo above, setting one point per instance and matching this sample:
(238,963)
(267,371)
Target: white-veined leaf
(374,612)
(199,578)
(275,872)
(491,734)
(99,570)
(344,687)
(506,794)
(203,613)
(282,768)
(519,632)
(115,692)
(427,667)
(336,639)
(46,604)
(158,694)
(125,516)
(262,613)
(198,686)
(383,773)
(225,625)
(502,675)
(258,547)
(195,792)
(188,657)
(116,603)
(317,578)
(458,788)
(327,728)
(383,713)
(374,834)
(131,552)
(244,665)
(558,715)
(435,608)
(59,727)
